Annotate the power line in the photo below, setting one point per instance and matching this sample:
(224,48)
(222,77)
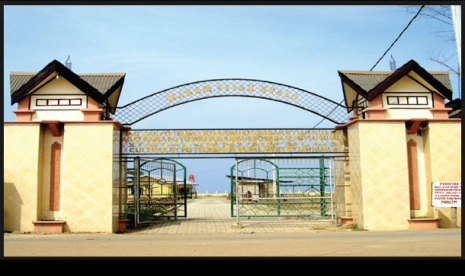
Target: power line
(324,118)
(408,25)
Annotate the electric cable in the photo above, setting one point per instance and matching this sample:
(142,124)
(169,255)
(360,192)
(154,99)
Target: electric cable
(326,115)
(408,25)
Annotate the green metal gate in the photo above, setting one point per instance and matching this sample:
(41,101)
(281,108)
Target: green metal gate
(156,190)
(283,188)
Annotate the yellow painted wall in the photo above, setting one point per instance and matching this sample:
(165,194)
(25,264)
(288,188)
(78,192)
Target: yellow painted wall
(58,89)
(443,153)
(408,113)
(87,178)
(379,171)
(164,190)
(118,180)
(342,191)
(379,175)
(355,162)
(59,86)
(406,84)
(22,176)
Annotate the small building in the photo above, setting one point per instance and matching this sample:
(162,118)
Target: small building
(400,140)
(153,187)
(60,154)
(256,187)
(253,187)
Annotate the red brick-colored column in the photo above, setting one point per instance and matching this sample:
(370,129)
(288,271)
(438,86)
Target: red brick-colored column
(23,113)
(413,175)
(55,165)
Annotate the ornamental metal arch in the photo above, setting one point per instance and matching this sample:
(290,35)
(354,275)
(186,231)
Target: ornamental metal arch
(149,105)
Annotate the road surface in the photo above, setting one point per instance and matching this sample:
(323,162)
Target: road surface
(208,233)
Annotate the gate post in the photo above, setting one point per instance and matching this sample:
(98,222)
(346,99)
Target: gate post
(175,192)
(237,195)
(136,190)
(322,187)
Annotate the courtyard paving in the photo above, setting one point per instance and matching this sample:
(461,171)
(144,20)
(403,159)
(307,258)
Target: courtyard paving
(212,215)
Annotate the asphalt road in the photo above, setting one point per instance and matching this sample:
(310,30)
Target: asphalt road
(405,243)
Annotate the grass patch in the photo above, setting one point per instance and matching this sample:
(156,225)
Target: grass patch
(353,227)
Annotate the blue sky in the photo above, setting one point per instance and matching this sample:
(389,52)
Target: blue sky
(159,47)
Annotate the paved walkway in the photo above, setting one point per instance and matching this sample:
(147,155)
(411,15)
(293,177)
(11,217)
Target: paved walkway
(208,232)
(210,215)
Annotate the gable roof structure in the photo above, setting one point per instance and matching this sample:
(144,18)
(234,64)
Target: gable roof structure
(102,87)
(370,84)
(456,106)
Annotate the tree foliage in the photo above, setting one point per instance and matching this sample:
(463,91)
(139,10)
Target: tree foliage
(445,30)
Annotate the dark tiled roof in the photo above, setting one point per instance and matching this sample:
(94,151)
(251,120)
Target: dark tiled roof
(365,80)
(444,79)
(102,82)
(456,106)
(19,79)
(369,80)
(369,84)
(98,86)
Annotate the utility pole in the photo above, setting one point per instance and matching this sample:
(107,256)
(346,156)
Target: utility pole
(457,20)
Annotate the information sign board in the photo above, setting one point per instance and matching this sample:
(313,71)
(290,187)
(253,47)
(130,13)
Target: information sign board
(447,194)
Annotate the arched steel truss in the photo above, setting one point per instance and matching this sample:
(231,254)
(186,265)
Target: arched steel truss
(194,91)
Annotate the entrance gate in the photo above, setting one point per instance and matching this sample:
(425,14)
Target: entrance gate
(149,105)
(266,189)
(290,185)
(156,190)
(263,189)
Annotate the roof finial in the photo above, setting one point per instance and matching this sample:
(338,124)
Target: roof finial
(392,64)
(68,63)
